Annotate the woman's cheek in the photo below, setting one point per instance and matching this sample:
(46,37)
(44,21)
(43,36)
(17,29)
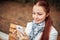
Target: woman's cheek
(33,16)
(41,17)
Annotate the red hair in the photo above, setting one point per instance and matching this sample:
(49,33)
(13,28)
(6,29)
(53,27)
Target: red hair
(48,21)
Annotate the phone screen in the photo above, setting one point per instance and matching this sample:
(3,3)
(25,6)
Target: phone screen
(20,28)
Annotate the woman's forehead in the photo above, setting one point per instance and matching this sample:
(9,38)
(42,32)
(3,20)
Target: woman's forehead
(38,8)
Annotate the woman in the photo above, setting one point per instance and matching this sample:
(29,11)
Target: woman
(41,27)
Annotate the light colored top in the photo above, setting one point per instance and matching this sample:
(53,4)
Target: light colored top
(52,36)
(4,36)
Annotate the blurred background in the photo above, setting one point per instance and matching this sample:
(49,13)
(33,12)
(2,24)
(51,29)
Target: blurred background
(19,12)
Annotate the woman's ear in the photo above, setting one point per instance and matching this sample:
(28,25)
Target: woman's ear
(47,15)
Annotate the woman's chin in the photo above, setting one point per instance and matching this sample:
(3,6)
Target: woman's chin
(37,22)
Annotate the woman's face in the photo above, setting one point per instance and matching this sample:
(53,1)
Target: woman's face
(39,14)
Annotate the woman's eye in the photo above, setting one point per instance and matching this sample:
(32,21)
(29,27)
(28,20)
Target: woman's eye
(39,13)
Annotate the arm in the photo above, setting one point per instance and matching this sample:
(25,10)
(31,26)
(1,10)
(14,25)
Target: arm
(53,34)
(28,28)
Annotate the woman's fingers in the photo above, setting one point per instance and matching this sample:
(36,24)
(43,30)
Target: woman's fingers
(22,37)
(19,33)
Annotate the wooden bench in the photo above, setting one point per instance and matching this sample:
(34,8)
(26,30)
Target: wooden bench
(12,35)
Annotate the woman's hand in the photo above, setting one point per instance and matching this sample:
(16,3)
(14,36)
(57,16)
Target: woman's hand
(22,36)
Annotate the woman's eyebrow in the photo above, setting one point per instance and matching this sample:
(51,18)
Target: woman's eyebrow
(39,12)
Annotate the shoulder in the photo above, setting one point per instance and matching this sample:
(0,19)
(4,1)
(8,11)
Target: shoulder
(53,34)
(28,28)
(53,30)
(29,23)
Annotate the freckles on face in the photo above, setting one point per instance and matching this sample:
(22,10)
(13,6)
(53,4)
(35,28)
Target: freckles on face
(39,14)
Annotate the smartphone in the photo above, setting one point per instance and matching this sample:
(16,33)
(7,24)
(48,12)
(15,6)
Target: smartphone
(20,28)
